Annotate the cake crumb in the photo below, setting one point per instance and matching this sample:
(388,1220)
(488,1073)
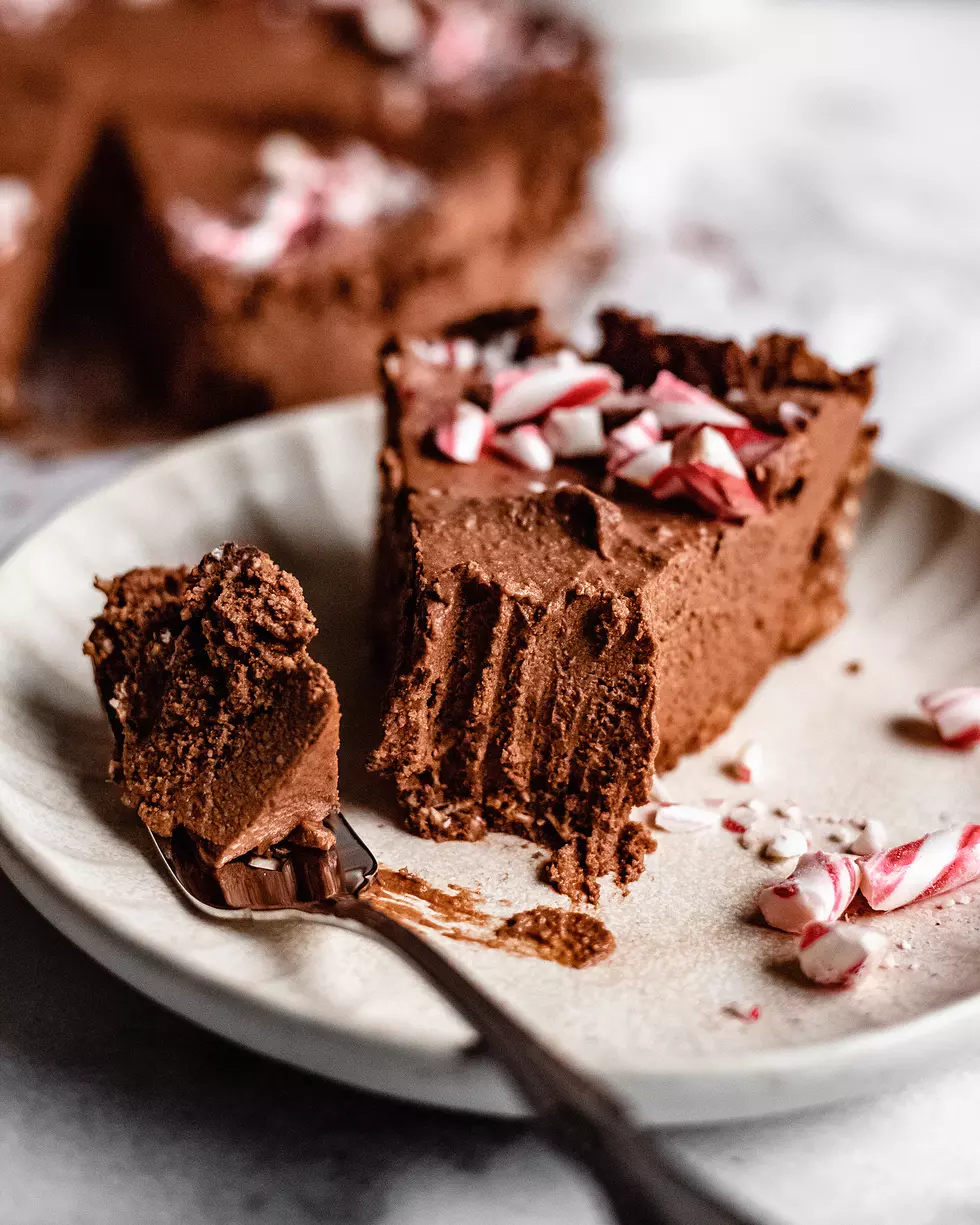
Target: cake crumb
(854,667)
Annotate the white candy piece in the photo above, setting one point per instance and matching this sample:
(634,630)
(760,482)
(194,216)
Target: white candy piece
(464,436)
(707,446)
(956,715)
(678,404)
(685,818)
(642,468)
(837,954)
(789,844)
(525,393)
(573,433)
(525,446)
(821,887)
(632,438)
(874,837)
(18,207)
(747,764)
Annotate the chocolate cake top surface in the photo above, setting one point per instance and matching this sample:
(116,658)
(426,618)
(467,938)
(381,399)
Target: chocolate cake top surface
(223,722)
(538,534)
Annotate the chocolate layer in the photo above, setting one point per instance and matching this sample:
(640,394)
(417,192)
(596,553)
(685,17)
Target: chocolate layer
(223,723)
(555,642)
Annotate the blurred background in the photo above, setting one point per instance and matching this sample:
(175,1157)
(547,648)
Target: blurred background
(811,166)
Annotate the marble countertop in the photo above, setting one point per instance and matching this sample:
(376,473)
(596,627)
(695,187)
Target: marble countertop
(827,181)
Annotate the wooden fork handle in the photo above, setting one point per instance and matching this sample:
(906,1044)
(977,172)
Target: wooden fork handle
(579,1116)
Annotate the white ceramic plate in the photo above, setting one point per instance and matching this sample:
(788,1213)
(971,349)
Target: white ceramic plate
(652,1019)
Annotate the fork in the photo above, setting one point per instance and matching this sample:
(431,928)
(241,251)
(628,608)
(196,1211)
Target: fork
(579,1116)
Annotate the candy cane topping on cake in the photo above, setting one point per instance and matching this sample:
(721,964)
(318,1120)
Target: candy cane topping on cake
(747,764)
(526,447)
(631,439)
(678,404)
(837,954)
(956,715)
(463,437)
(304,194)
(524,394)
(935,864)
(573,433)
(821,887)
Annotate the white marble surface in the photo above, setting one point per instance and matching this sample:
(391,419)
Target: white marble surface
(829,182)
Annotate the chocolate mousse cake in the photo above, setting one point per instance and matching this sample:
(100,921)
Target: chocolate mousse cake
(225,728)
(588,564)
(274,193)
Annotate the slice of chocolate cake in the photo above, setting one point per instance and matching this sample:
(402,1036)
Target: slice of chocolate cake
(586,567)
(224,725)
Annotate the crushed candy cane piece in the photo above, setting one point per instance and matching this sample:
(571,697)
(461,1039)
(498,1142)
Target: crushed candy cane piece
(788,844)
(821,887)
(956,715)
(734,826)
(678,404)
(685,818)
(573,433)
(525,446)
(716,492)
(747,764)
(704,445)
(837,954)
(936,864)
(873,837)
(633,438)
(643,468)
(18,208)
(463,437)
(752,446)
(524,393)
(750,1013)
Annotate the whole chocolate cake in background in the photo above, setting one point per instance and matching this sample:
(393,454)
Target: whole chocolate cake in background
(586,566)
(268,190)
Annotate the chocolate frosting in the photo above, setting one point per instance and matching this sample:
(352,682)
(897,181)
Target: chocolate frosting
(223,723)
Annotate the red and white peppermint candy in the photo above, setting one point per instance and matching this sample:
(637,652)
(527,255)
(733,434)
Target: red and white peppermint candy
(632,439)
(956,714)
(461,44)
(645,467)
(705,445)
(574,433)
(937,863)
(524,393)
(719,493)
(837,954)
(463,437)
(525,446)
(678,404)
(821,887)
(752,446)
